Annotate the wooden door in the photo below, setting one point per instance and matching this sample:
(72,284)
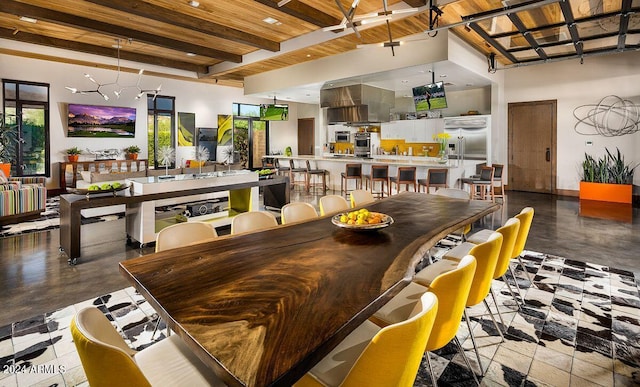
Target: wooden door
(532,146)
(306,141)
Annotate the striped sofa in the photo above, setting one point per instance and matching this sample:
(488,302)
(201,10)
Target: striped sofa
(22,198)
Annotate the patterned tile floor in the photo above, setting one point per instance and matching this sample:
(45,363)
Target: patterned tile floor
(580,327)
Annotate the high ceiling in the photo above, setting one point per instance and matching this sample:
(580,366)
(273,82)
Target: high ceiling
(224,41)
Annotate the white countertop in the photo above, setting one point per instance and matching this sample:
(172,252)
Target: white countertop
(418,161)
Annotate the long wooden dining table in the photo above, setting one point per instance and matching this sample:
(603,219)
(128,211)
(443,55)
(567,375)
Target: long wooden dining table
(263,308)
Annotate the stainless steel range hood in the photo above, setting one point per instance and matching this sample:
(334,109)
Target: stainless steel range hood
(357,104)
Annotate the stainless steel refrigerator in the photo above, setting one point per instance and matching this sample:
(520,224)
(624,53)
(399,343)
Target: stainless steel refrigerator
(470,137)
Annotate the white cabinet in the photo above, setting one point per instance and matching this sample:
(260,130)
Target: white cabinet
(412,130)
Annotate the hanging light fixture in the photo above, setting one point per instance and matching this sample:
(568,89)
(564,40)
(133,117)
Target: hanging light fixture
(101,87)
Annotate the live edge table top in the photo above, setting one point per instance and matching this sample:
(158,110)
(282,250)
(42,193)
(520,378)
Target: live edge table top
(261,309)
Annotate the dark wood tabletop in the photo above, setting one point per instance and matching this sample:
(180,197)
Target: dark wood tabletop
(261,309)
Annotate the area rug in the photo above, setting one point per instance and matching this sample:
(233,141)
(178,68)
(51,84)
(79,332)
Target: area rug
(49,220)
(580,325)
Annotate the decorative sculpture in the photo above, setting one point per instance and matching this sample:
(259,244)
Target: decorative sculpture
(612,116)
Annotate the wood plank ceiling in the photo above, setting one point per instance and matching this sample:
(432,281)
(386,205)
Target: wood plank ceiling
(217,40)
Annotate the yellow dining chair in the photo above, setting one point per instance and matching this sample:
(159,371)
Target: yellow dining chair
(108,361)
(333,203)
(297,212)
(452,289)
(360,197)
(509,233)
(486,255)
(526,218)
(252,221)
(182,234)
(375,357)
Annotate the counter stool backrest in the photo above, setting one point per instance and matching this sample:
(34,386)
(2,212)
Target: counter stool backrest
(437,177)
(379,171)
(406,174)
(353,170)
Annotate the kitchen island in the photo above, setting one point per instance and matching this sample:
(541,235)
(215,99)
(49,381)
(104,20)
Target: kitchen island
(335,164)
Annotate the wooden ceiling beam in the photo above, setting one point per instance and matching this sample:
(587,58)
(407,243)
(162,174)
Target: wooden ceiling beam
(42,40)
(304,12)
(22,9)
(164,15)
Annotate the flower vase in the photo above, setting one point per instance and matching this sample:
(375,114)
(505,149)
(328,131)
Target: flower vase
(442,156)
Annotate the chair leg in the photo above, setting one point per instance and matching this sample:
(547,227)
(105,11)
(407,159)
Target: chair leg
(524,268)
(515,280)
(461,350)
(473,340)
(486,305)
(434,381)
(495,302)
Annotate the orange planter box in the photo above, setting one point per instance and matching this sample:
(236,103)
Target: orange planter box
(616,193)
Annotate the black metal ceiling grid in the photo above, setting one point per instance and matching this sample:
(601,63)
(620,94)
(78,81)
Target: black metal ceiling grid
(624,15)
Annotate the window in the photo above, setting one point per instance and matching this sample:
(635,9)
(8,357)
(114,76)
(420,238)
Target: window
(160,126)
(26,104)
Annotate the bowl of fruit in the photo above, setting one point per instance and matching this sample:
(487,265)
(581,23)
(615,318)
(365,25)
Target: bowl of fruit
(362,220)
(100,188)
(266,173)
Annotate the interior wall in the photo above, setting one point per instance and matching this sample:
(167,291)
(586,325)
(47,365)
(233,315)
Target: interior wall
(573,85)
(205,100)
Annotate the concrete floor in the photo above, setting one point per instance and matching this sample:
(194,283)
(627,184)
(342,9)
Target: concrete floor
(35,277)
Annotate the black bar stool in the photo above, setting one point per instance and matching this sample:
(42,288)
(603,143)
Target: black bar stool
(406,176)
(310,173)
(436,177)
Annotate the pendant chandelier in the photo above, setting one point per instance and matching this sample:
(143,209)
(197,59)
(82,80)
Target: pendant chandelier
(103,89)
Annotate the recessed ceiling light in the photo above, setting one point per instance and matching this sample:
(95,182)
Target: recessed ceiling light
(308,55)
(194,3)
(116,45)
(28,19)
(443,75)
(404,81)
(191,54)
(270,20)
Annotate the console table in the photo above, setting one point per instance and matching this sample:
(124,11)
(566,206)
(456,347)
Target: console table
(71,205)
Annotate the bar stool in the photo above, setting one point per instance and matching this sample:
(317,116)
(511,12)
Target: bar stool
(283,171)
(311,173)
(498,190)
(352,172)
(406,175)
(436,177)
(479,186)
(378,173)
(295,172)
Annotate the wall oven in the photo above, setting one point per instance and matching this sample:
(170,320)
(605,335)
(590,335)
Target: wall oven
(362,144)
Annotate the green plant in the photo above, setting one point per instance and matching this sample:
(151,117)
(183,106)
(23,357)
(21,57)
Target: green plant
(608,169)
(132,149)
(74,151)
(8,140)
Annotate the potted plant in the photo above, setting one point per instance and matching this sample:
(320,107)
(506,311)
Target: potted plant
(8,142)
(132,152)
(73,154)
(607,179)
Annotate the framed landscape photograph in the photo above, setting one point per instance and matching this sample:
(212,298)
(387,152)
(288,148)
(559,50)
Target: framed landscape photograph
(100,121)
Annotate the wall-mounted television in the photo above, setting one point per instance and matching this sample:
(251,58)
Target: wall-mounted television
(429,97)
(274,112)
(101,121)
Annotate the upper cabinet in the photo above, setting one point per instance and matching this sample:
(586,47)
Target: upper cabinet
(412,130)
